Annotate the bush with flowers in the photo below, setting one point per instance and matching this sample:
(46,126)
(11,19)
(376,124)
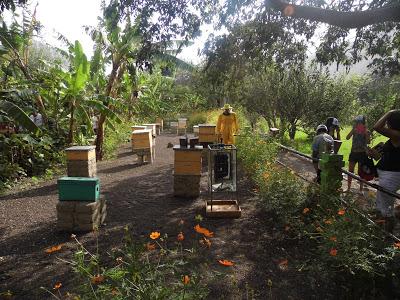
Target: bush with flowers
(343,247)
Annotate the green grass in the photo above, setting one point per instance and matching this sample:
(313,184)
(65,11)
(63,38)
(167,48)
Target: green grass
(302,142)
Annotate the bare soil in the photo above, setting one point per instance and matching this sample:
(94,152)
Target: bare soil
(141,196)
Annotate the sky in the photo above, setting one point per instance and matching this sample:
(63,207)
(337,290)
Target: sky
(69,16)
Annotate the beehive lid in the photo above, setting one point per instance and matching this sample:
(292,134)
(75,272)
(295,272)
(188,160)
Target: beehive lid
(81,148)
(141,131)
(207,125)
(78,180)
(150,124)
(196,148)
(138,126)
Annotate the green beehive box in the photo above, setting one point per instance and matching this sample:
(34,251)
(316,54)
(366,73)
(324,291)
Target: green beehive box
(78,189)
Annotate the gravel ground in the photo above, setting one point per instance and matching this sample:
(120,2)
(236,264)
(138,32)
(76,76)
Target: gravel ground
(142,197)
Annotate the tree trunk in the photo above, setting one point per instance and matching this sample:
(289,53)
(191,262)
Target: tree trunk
(100,126)
(71,124)
(353,19)
(292,131)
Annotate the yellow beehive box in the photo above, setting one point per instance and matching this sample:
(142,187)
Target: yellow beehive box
(85,153)
(152,127)
(206,129)
(142,139)
(187,160)
(138,127)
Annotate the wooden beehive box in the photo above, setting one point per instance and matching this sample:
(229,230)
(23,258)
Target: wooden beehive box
(182,123)
(138,127)
(207,133)
(85,153)
(152,127)
(142,139)
(187,161)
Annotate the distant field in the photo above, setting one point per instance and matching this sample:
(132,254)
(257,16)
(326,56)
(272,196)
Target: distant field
(303,144)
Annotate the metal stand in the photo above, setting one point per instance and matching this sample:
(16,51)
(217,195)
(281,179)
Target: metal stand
(222,182)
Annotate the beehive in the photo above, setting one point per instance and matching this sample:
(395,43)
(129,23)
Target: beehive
(182,123)
(142,139)
(152,127)
(85,153)
(196,130)
(187,161)
(78,189)
(138,127)
(160,123)
(207,133)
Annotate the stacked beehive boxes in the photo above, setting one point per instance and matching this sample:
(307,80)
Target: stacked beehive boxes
(142,145)
(182,126)
(196,130)
(80,207)
(187,171)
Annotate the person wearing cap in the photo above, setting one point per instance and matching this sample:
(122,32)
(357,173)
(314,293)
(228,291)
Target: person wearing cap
(332,125)
(227,125)
(322,143)
(358,154)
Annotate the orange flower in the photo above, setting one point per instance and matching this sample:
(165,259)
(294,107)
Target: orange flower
(306,210)
(57,286)
(53,249)
(397,245)
(155,235)
(181,237)
(186,279)
(265,175)
(226,263)
(341,212)
(283,265)
(203,231)
(333,238)
(150,246)
(97,279)
(328,222)
(333,252)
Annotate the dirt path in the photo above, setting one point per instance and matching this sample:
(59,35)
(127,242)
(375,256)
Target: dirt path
(142,197)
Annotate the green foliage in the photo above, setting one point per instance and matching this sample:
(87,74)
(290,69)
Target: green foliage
(344,248)
(196,118)
(137,272)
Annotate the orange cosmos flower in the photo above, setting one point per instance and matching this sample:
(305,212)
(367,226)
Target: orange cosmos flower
(150,246)
(181,237)
(226,263)
(341,212)
(97,279)
(306,210)
(333,252)
(155,235)
(333,238)
(53,249)
(397,245)
(203,231)
(57,286)
(186,279)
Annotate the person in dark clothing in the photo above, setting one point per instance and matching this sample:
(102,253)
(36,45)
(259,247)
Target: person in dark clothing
(389,165)
(333,128)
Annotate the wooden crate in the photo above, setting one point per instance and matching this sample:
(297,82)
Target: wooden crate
(85,153)
(142,139)
(187,161)
(223,209)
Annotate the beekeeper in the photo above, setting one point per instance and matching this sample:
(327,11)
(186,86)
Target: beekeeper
(227,125)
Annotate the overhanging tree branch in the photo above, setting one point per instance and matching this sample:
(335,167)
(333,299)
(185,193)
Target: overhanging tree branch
(353,19)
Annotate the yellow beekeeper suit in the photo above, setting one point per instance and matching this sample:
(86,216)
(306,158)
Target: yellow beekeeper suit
(227,126)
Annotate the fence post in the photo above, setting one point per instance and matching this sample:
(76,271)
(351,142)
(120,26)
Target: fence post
(331,174)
